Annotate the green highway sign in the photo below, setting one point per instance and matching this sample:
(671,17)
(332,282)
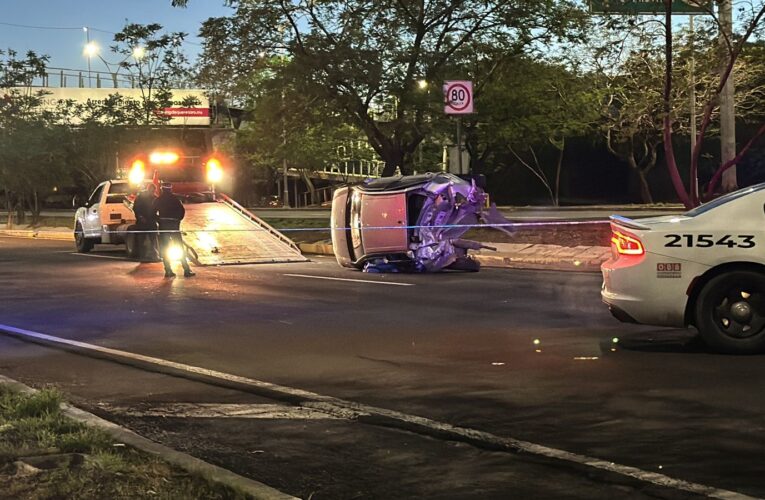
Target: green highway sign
(648,6)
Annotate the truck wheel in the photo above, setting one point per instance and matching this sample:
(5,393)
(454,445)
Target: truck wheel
(84,245)
(730,312)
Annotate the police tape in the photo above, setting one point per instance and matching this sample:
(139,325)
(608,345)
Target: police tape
(506,225)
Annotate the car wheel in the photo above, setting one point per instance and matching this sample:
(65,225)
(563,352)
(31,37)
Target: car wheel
(465,264)
(131,244)
(730,312)
(84,245)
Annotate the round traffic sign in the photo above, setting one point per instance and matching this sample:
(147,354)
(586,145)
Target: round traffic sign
(459,97)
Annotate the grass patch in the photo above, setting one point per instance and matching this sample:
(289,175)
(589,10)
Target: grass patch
(72,460)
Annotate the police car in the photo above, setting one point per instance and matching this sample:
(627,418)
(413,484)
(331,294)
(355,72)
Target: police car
(704,268)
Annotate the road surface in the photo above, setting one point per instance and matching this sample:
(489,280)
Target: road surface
(527,358)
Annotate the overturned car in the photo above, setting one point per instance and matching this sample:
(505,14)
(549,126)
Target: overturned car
(409,223)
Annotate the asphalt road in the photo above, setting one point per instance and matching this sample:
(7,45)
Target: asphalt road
(516,354)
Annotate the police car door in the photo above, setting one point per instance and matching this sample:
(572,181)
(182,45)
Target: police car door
(91,225)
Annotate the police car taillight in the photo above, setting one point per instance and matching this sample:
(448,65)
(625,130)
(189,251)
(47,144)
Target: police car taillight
(626,244)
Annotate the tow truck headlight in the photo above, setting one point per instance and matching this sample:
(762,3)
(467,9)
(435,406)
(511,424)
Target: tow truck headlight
(137,172)
(214,171)
(174,253)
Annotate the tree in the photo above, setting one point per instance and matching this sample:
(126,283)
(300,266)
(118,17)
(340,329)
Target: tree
(33,137)
(629,71)
(308,136)
(358,56)
(531,105)
(156,63)
(749,24)
(629,67)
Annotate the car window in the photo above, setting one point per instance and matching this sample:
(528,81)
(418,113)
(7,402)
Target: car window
(118,192)
(96,196)
(735,195)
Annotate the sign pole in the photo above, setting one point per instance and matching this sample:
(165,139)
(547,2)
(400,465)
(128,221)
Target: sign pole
(459,144)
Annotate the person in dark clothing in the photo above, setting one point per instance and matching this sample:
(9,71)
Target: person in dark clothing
(171,212)
(146,220)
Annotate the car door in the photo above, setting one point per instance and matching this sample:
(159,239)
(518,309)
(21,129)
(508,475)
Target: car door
(91,225)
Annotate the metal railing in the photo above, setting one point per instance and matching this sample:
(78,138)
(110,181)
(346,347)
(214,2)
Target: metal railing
(356,168)
(73,78)
(317,197)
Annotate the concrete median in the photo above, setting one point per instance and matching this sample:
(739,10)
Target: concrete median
(40,234)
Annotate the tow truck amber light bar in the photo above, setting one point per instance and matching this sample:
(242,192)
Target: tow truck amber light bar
(627,244)
(163,158)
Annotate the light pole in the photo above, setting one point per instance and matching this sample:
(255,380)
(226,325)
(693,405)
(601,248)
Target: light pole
(90,49)
(286,195)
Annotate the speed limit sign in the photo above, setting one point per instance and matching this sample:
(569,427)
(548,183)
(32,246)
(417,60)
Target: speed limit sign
(458,97)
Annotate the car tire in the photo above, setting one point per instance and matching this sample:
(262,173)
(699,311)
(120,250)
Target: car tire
(83,244)
(131,244)
(730,312)
(465,264)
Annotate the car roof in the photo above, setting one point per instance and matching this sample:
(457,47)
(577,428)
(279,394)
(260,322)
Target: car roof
(726,198)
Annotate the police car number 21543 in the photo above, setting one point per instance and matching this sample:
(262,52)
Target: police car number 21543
(709,240)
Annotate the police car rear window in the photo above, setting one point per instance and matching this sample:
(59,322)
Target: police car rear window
(118,192)
(722,200)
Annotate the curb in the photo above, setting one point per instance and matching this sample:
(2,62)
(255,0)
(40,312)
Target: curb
(519,256)
(191,464)
(40,235)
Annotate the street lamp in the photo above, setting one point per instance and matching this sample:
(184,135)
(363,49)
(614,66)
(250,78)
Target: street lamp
(92,49)
(422,84)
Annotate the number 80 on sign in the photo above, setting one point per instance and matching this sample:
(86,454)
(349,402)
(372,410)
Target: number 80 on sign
(458,97)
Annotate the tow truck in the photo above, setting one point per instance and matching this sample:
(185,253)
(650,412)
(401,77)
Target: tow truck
(216,228)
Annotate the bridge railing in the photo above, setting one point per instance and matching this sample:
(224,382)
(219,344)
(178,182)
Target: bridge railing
(356,168)
(319,196)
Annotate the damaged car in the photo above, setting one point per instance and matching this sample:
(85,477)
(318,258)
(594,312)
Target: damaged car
(410,223)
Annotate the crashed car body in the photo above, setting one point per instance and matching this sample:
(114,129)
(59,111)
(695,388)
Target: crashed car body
(408,223)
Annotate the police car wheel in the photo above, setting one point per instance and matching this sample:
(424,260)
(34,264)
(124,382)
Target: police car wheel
(83,244)
(730,312)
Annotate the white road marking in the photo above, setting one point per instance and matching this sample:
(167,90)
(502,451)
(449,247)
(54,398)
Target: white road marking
(225,410)
(97,256)
(349,279)
(348,409)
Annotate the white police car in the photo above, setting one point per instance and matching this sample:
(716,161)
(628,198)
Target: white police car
(704,268)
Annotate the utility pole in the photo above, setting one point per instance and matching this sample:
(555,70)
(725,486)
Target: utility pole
(692,92)
(87,44)
(727,111)
(286,187)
